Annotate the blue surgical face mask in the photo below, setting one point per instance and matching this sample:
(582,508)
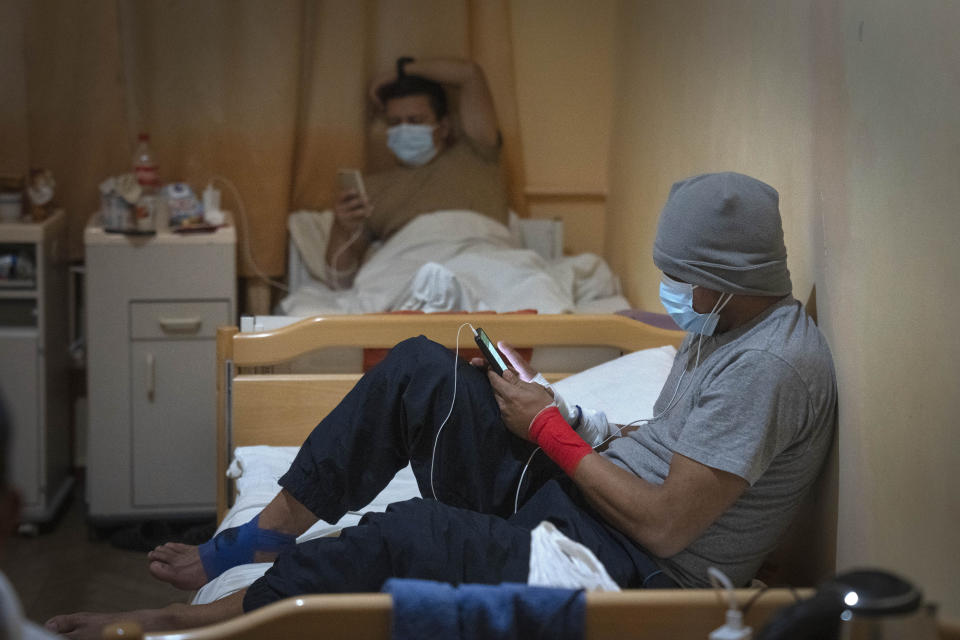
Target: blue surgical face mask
(412,143)
(677,299)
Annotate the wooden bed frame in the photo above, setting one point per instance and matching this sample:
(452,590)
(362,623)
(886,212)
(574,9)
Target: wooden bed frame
(258,406)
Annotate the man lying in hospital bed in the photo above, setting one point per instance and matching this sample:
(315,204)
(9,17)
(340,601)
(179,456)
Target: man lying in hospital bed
(740,431)
(435,172)
(432,233)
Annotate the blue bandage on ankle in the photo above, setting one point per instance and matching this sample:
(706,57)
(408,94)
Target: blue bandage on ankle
(236,546)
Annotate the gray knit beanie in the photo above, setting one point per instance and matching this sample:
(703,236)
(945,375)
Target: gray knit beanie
(722,231)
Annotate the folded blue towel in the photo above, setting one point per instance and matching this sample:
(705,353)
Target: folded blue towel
(427,609)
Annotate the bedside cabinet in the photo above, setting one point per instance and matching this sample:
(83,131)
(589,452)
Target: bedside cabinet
(33,362)
(153,307)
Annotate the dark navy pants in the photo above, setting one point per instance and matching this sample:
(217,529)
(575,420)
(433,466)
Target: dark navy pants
(470,532)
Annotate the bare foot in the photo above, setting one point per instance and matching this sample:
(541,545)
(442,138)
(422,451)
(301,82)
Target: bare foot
(84,626)
(178,564)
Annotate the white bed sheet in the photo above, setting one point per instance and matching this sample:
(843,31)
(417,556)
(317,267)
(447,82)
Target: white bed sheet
(625,388)
(449,260)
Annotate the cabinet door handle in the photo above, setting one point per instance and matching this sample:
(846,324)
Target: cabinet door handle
(151,376)
(180,325)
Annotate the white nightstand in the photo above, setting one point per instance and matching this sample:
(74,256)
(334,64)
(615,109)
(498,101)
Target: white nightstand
(153,307)
(33,363)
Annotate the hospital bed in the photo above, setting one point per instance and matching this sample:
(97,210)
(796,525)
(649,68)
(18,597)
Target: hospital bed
(258,406)
(449,260)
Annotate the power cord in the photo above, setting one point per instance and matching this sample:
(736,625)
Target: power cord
(248,254)
(340,273)
(733,628)
(764,589)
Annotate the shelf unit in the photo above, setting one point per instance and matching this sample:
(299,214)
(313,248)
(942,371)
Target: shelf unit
(33,364)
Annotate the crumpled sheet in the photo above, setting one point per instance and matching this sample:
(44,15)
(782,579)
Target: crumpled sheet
(449,260)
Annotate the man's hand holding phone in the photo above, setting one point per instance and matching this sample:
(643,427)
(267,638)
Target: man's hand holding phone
(518,398)
(352,207)
(516,361)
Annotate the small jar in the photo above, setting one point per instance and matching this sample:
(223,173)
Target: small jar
(145,213)
(11,206)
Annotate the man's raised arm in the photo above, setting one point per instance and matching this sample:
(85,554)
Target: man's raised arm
(478,118)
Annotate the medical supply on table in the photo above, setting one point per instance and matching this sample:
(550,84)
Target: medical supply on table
(118,196)
(146,212)
(212,213)
(182,204)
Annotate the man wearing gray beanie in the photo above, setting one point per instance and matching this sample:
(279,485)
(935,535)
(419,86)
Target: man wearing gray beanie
(750,404)
(744,420)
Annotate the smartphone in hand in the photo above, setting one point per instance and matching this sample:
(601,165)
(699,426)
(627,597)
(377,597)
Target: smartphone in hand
(352,180)
(493,357)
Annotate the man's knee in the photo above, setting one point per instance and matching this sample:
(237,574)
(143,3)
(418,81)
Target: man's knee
(420,350)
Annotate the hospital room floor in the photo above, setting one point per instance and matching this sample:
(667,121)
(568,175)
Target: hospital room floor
(67,569)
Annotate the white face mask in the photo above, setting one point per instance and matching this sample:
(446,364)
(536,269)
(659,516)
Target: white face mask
(412,143)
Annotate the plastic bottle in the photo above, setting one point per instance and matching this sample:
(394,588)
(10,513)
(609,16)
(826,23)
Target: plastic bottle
(148,177)
(145,166)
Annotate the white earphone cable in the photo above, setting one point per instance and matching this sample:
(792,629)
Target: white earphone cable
(436,439)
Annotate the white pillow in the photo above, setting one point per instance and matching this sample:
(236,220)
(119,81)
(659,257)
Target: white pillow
(625,389)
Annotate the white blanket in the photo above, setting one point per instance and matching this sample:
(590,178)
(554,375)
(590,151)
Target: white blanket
(450,260)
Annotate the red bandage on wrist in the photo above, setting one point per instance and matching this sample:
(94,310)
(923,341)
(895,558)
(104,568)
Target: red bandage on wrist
(558,439)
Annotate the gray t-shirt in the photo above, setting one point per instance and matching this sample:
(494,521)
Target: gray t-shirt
(761,404)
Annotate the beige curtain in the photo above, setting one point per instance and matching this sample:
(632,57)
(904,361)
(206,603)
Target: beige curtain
(270,95)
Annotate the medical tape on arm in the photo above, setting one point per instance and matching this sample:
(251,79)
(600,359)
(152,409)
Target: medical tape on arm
(558,440)
(590,425)
(236,546)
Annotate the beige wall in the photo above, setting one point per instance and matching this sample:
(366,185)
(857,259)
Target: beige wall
(563,56)
(894,268)
(13,87)
(849,108)
(708,86)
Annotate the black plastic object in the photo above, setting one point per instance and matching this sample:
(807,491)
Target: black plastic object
(863,592)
